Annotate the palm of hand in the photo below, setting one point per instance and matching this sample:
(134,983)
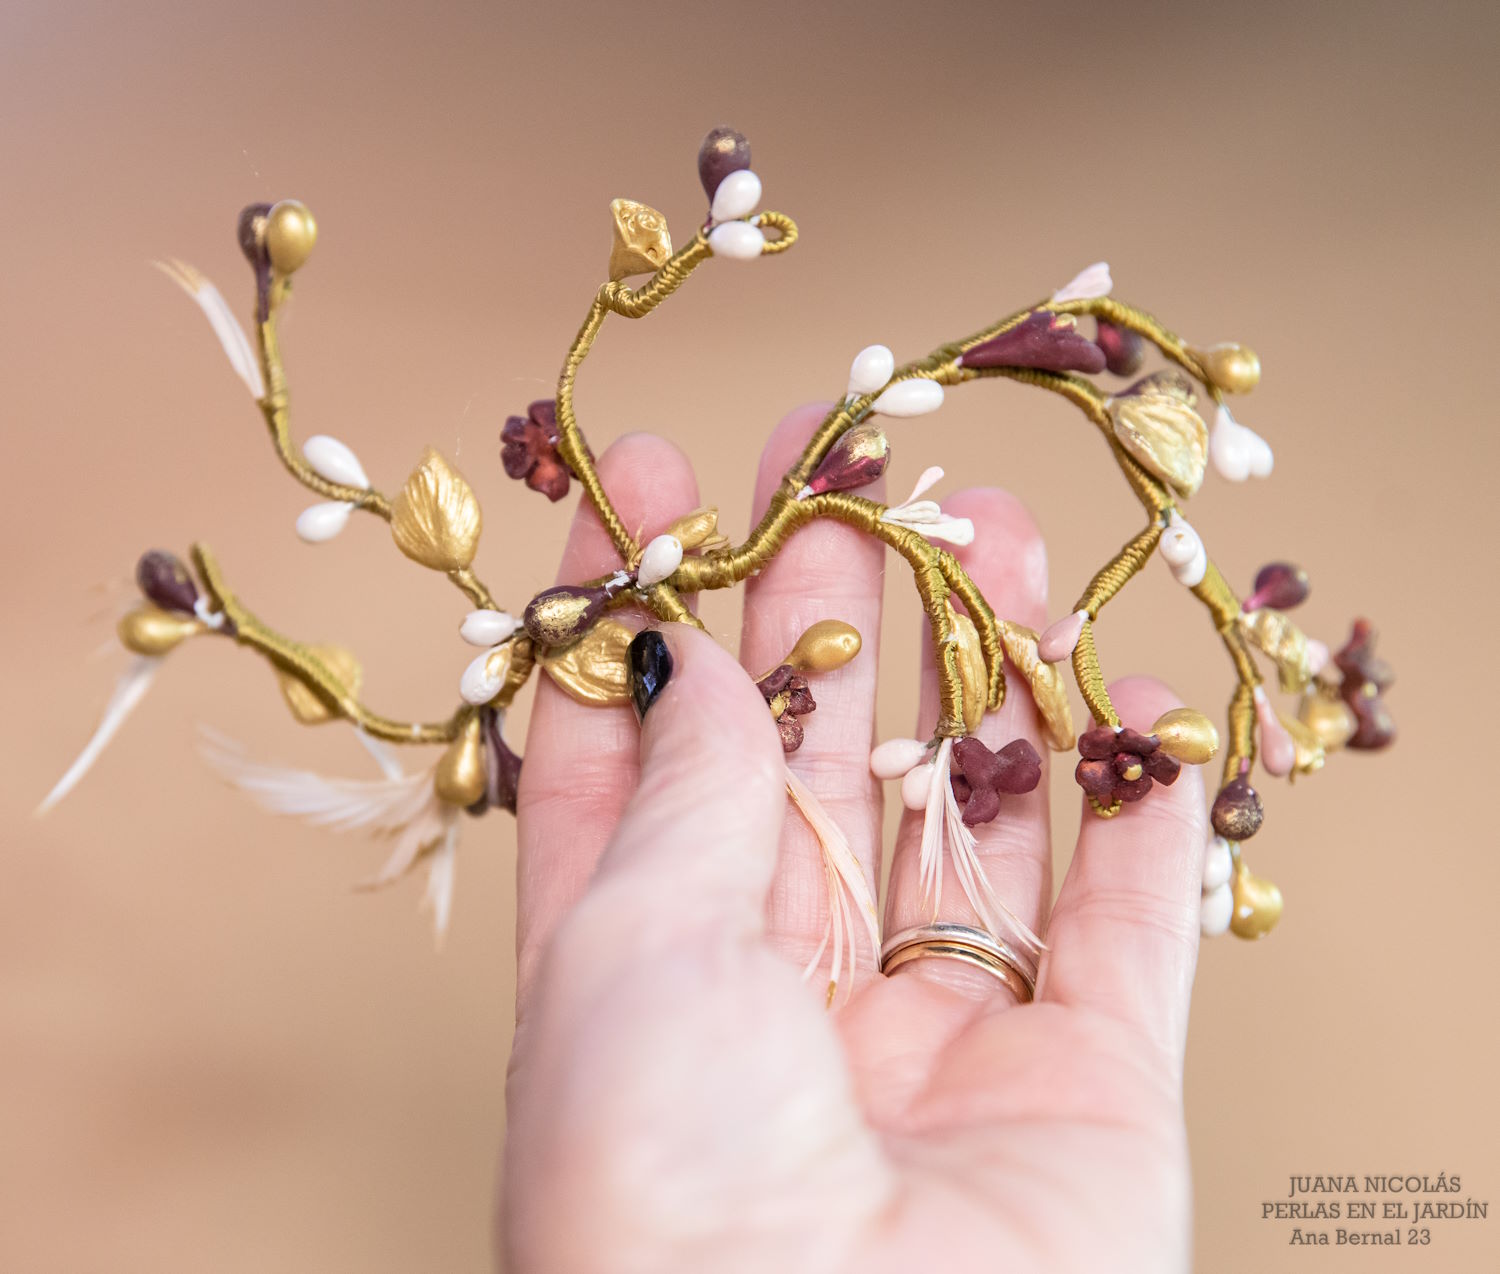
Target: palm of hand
(680,1099)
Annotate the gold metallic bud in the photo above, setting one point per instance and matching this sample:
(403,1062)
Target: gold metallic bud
(1310,753)
(828,644)
(594,669)
(435,519)
(1329,718)
(698,531)
(460,776)
(642,241)
(149,630)
(306,704)
(1233,368)
(1257,904)
(291,233)
(973,677)
(1187,736)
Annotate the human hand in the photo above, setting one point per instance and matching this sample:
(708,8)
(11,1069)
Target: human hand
(679,1097)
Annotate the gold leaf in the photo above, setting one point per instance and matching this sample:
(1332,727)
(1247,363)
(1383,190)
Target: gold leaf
(1283,642)
(1048,686)
(306,704)
(828,644)
(1310,752)
(435,519)
(1165,434)
(699,531)
(642,241)
(593,669)
(149,630)
(973,677)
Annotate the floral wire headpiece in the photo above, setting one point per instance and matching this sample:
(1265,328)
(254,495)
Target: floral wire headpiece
(1152,428)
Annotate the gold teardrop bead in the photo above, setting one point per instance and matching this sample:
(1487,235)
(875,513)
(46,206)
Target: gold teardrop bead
(1232,367)
(1332,720)
(1187,736)
(149,630)
(460,776)
(1310,752)
(1257,905)
(828,644)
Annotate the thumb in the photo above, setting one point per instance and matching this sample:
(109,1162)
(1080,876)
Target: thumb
(692,857)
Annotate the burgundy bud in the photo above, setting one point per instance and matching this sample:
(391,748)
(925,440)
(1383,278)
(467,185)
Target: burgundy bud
(503,768)
(857,458)
(1051,342)
(251,233)
(1237,812)
(1279,585)
(164,580)
(560,615)
(1124,350)
(724,151)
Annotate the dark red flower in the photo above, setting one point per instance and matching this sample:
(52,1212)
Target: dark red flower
(529,450)
(1365,680)
(787,695)
(981,777)
(1051,342)
(1121,765)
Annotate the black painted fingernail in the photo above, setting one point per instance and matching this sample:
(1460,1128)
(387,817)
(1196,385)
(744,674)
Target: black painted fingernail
(650,669)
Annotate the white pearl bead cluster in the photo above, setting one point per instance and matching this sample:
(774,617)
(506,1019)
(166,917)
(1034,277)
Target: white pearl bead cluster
(483,679)
(329,458)
(1217,907)
(737,197)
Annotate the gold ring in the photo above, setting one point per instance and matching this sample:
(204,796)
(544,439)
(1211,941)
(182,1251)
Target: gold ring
(968,946)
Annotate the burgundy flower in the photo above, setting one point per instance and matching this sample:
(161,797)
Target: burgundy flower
(1051,342)
(1121,766)
(164,580)
(981,777)
(529,450)
(1365,680)
(786,693)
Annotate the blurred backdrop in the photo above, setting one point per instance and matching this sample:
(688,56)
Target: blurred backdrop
(213,1054)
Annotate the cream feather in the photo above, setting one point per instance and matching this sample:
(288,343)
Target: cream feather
(130,689)
(221,318)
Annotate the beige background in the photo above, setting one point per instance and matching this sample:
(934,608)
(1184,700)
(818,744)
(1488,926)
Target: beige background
(212,1054)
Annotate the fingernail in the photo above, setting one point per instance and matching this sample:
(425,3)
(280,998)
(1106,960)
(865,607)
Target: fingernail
(650,669)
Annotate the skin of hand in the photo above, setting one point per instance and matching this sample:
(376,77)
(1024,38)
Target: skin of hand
(679,1098)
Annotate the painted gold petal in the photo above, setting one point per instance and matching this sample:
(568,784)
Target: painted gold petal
(435,519)
(1328,717)
(698,531)
(1166,435)
(1048,686)
(1310,752)
(972,675)
(305,703)
(594,669)
(1285,643)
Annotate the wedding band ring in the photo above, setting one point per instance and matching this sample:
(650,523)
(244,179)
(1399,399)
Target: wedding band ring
(968,946)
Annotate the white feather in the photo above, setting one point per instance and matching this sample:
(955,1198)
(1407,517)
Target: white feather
(439,895)
(846,883)
(1088,284)
(129,691)
(221,318)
